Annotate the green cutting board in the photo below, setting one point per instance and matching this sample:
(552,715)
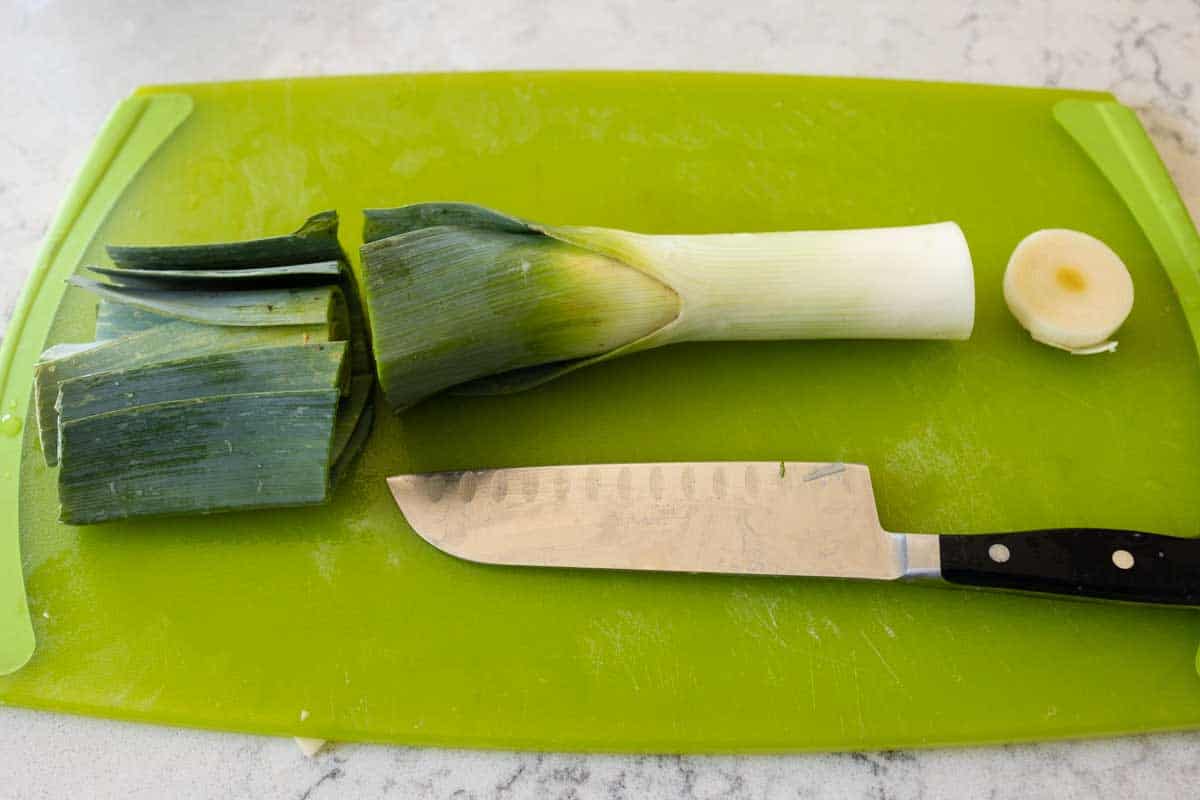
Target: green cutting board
(339,622)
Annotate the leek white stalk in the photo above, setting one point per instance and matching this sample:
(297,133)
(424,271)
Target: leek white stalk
(879,283)
(459,295)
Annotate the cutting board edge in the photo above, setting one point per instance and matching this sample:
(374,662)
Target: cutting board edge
(598,745)
(130,136)
(620,75)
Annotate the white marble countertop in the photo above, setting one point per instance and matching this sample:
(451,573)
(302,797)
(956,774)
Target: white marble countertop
(67,63)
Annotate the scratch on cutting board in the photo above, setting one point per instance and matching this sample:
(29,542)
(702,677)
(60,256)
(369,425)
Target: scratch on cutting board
(825,471)
(812,680)
(862,725)
(324,559)
(882,660)
(810,626)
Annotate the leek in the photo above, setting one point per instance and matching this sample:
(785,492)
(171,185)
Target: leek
(226,376)
(462,296)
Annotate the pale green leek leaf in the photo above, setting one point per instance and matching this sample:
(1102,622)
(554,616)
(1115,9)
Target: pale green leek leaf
(321,272)
(114,319)
(244,308)
(58,351)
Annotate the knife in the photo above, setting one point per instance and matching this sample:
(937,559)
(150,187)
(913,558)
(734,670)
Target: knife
(767,518)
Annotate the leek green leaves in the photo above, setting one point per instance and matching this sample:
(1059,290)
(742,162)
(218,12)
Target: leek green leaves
(224,376)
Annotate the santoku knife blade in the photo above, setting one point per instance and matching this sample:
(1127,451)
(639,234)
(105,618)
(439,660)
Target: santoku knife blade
(766,518)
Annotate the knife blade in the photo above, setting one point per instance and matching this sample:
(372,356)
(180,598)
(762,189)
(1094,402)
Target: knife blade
(766,518)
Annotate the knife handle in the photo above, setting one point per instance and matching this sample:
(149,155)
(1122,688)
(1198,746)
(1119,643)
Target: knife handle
(1079,562)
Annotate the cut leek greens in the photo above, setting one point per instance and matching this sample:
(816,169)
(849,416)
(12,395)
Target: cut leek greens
(350,414)
(226,376)
(1069,290)
(171,341)
(315,240)
(304,367)
(198,456)
(350,447)
(114,320)
(462,296)
(248,308)
(293,275)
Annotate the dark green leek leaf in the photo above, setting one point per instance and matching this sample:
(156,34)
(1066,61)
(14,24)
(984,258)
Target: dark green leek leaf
(354,445)
(114,320)
(173,340)
(315,240)
(360,335)
(356,414)
(516,380)
(383,222)
(362,388)
(300,367)
(198,456)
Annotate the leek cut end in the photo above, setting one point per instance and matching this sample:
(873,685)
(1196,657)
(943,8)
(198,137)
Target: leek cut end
(1069,290)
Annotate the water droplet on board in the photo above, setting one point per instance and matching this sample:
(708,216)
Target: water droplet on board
(9,425)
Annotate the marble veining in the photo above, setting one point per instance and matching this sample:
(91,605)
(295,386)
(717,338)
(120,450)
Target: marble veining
(67,63)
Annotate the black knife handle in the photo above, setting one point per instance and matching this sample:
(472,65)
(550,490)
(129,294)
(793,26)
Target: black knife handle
(1080,562)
